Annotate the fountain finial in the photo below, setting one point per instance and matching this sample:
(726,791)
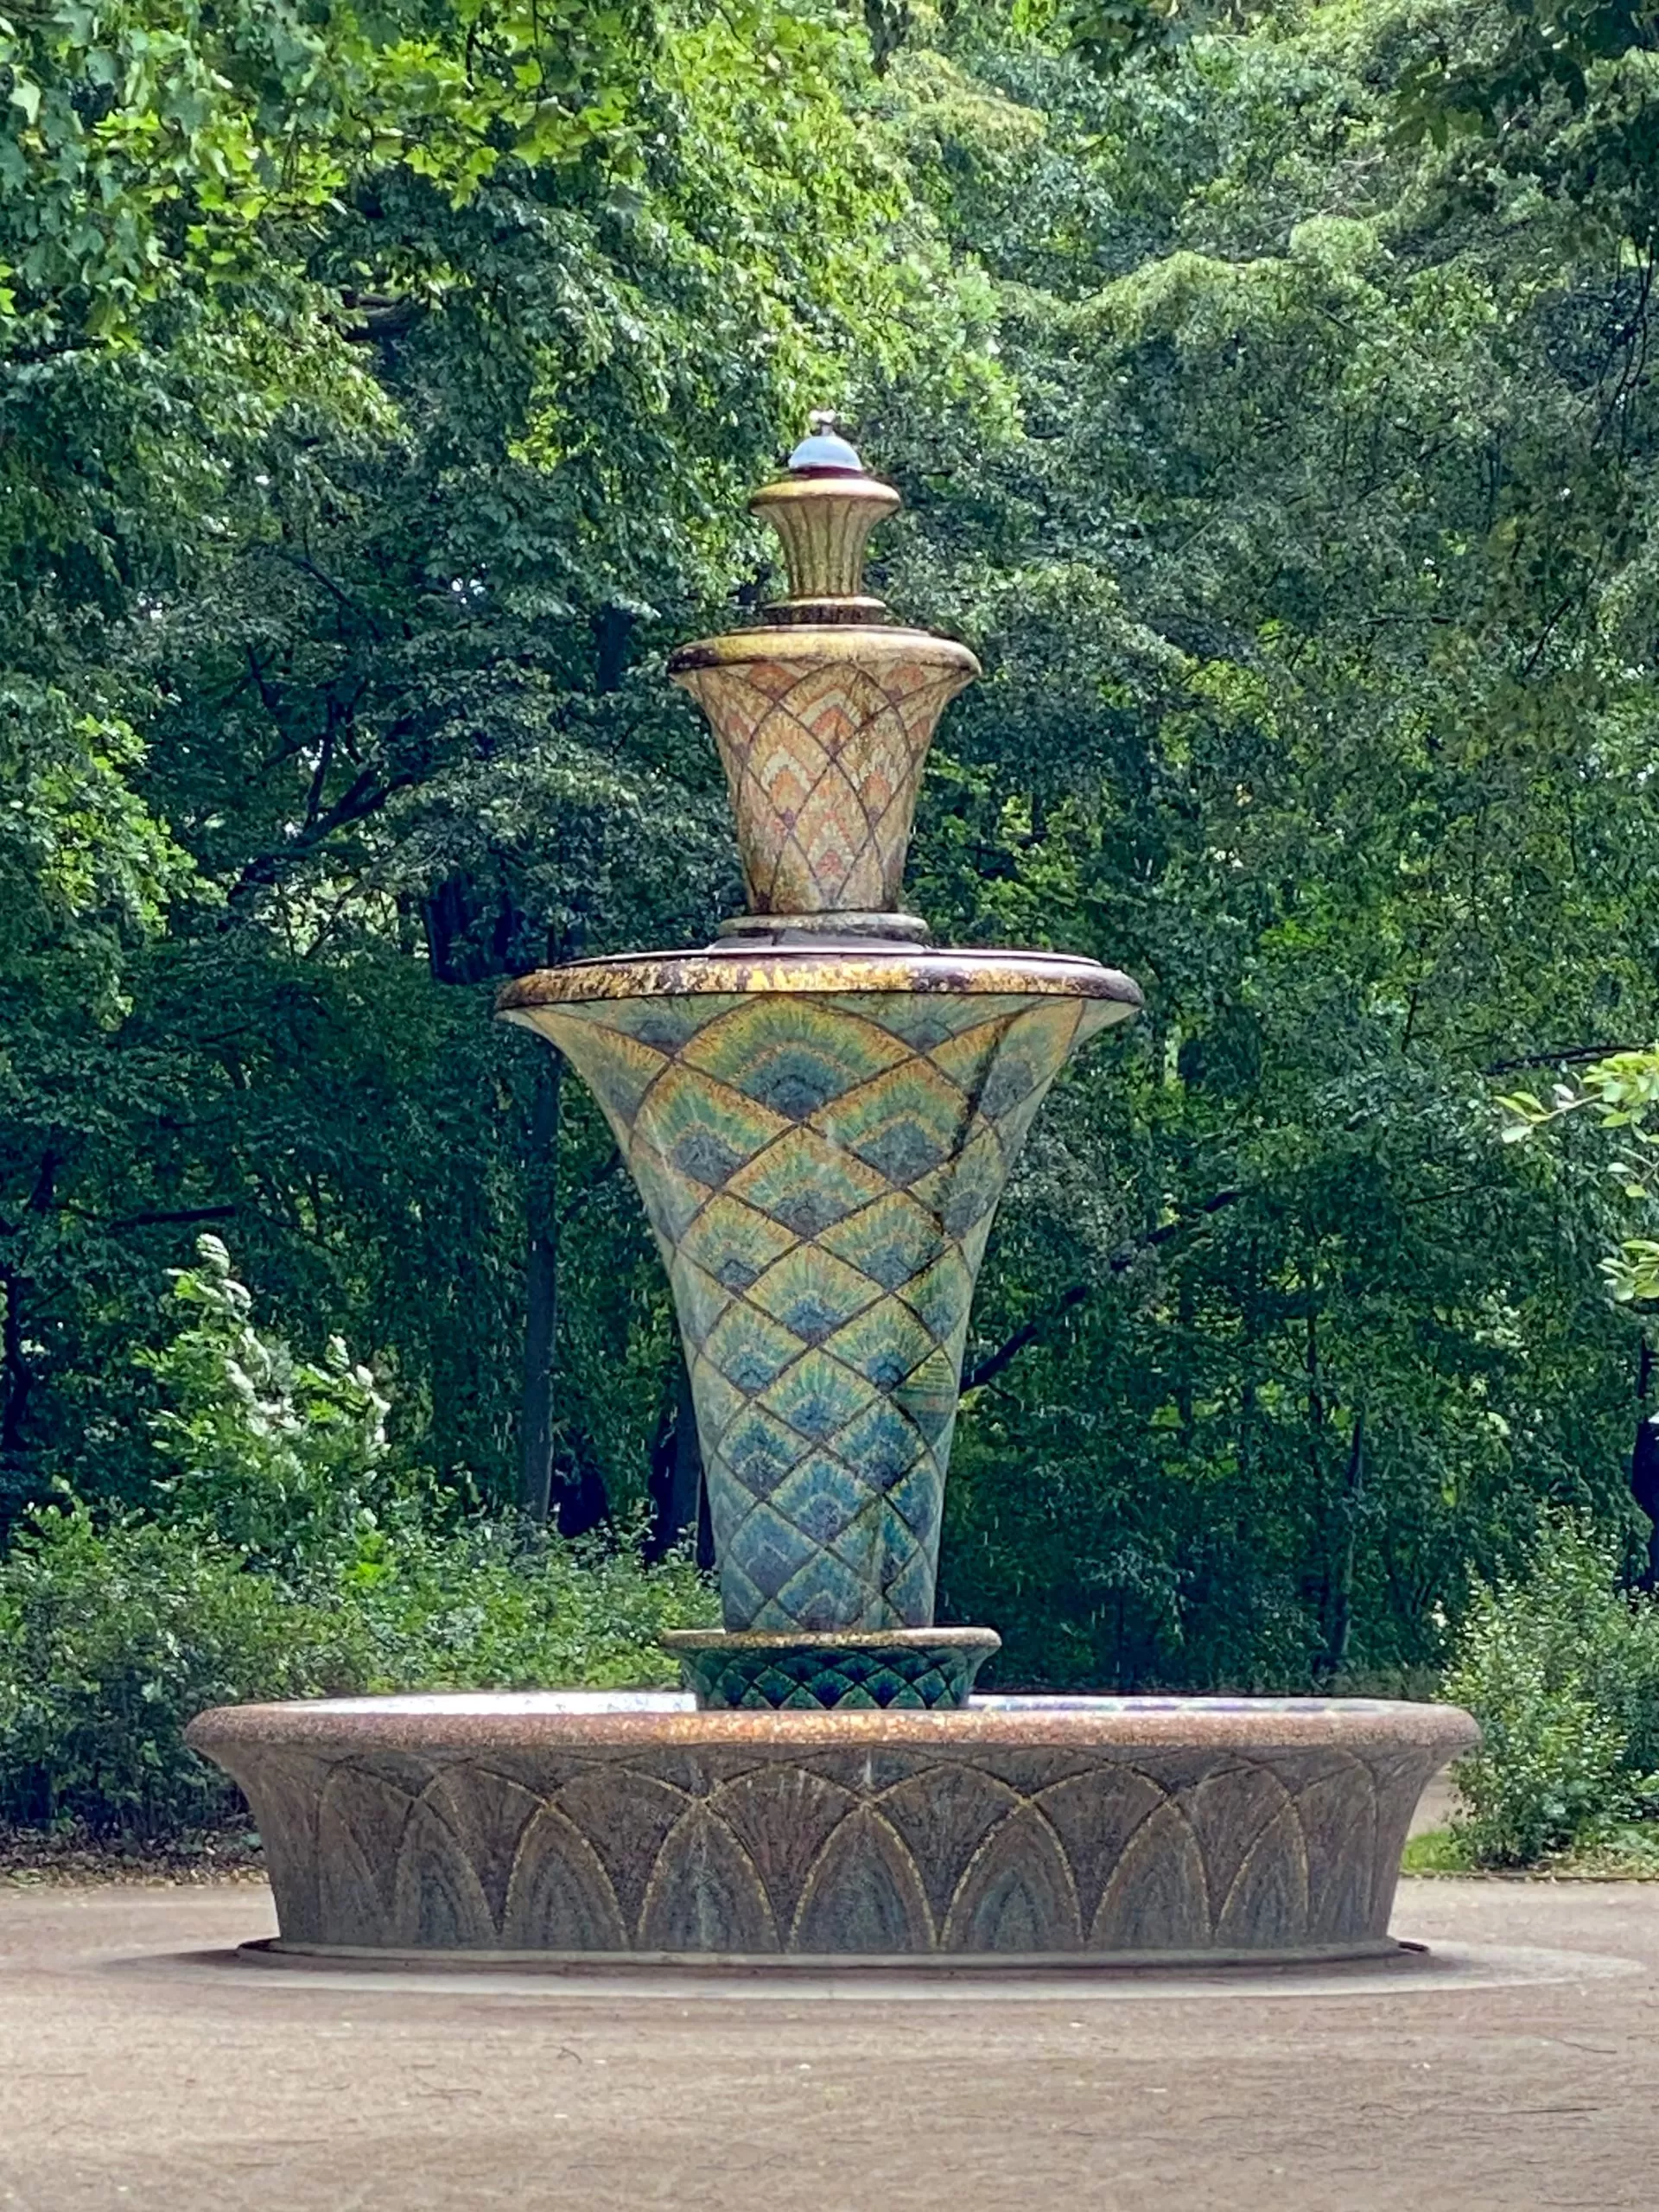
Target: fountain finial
(824,451)
(823,512)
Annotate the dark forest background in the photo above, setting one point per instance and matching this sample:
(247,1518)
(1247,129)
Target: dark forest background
(1272,393)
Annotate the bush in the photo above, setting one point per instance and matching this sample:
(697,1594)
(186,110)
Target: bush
(1561,1669)
(279,1456)
(112,1639)
(288,1556)
(491,1604)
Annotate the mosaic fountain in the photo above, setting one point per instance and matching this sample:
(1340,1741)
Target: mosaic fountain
(820,1111)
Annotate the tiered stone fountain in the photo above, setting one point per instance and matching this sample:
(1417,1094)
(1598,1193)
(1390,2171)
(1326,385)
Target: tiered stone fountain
(821,1111)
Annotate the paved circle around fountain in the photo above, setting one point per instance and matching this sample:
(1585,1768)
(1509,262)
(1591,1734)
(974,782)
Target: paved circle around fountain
(1411,1970)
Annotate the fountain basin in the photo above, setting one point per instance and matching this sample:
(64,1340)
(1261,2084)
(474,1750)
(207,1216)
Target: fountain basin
(571,1826)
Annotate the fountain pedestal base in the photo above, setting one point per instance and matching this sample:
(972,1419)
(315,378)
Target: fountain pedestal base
(839,1671)
(566,1824)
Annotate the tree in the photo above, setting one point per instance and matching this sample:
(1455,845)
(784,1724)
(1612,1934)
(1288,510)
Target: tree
(410,490)
(1271,399)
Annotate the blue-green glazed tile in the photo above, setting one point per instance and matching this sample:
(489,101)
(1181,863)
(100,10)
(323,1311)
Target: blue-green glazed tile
(821,1173)
(883,1444)
(818,1396)
(822,1593)
(749,1347)
(759,1450)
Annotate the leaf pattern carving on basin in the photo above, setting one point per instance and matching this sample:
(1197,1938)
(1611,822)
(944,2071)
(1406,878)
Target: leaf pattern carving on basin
(1017,1828)
(821,1172)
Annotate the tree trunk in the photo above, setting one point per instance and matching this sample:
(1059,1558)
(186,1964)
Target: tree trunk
(676,1484)
(613,628)
(17,1372)
(1339,1609)
(542,1288)
(685,1489)
(18,1377)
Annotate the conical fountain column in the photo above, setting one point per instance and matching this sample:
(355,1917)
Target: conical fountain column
(821,1114)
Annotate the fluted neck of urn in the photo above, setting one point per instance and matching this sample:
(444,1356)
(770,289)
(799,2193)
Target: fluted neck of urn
(823,512)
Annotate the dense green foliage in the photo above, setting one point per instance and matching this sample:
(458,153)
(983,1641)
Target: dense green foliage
(1561,1668)
(1271,393)
(286,1554)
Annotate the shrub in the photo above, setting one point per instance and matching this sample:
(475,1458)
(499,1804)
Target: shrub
(492,1604)
(110,1641)
(277,1455)
(1561,1669)
(288,1556)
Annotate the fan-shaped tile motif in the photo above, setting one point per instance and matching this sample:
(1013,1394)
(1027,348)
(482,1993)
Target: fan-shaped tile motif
(945,1815)
(439,1894)
(1156,1897)
(783,1815)
(706,1894)
(750,1049)
(864,1896)
(1017,1894)
(806,1184)
(560,1898)
(727,1848)
(733,1242)
(626,1816)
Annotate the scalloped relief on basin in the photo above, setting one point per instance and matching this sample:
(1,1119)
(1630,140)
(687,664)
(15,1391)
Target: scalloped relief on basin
(567,1824)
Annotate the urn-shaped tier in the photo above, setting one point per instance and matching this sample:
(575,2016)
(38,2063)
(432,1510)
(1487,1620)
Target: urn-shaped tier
(822,734)
(821,1139)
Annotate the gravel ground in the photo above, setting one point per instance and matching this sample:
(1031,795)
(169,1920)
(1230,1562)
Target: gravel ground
(141,2071)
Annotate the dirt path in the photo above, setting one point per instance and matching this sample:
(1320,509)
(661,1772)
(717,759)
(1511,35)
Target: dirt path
(135,2079)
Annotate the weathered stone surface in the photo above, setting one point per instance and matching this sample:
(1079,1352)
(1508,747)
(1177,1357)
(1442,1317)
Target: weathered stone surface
(569,1822)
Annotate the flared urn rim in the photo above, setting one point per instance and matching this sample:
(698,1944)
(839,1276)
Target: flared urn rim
(789,968)
(862,645)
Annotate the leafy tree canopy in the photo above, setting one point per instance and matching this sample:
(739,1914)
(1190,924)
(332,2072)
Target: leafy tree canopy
(1271,394)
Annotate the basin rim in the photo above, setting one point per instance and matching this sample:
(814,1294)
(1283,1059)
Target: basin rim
(465,1722)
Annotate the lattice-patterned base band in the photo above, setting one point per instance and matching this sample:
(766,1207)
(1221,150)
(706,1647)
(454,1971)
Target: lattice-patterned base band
(897,1671)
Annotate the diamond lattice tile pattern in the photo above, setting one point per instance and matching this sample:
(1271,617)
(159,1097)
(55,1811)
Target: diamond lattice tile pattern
(824,763)
(819,1679)
(821,1175)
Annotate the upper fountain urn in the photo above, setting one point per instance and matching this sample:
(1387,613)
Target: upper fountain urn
(823,718)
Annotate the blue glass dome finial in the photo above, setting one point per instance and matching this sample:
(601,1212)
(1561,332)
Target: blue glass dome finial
(823,451)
